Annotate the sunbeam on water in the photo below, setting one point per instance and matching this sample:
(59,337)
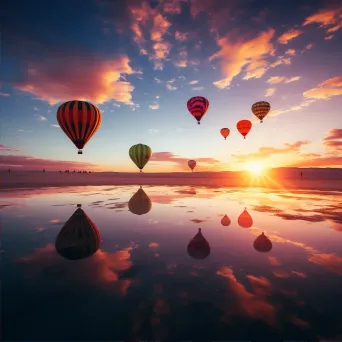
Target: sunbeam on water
(175,263)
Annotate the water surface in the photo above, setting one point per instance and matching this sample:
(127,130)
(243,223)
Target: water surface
(143,281)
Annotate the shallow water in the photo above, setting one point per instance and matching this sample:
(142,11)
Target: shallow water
(141,282)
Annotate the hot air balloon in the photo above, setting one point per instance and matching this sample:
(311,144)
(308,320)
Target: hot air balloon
(225,132)
(192,164)
(261,109)
(262,243)
(198,106)
(245,220)
(198,247)
(244,126)
(79,237)
(225,221)
(79,120)
(140,155)
(140,203)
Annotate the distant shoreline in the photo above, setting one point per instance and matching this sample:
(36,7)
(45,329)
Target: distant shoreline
(29,179)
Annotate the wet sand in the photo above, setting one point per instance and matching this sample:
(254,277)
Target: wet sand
(15,180)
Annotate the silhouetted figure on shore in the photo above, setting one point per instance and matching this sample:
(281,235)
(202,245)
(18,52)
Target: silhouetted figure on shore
(301,175)
(43,170)
(9,170)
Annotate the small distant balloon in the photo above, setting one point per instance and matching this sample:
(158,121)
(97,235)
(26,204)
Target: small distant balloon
(198,107)
(140,155)
(79,120)
(262,243)
(245,220)
(140,203)
(225,221)
(192,164)
(261,109)
(225,132)
(198,247)
(244,126)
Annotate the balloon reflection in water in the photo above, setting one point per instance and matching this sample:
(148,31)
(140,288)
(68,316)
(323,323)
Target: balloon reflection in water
(245,220)
(140,203)
(79,237)
(198,247)
(225,221)
(262,243)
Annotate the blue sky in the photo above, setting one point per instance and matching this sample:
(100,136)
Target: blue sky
(140,61)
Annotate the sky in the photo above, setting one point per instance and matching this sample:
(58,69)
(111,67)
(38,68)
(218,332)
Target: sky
(140,61)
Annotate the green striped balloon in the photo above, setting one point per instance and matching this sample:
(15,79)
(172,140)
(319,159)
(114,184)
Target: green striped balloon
(140,155)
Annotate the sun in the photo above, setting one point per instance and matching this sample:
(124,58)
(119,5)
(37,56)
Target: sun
(255,168)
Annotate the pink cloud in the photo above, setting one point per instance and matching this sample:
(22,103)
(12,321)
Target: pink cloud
(70,76)
(4,94)
(327,89)
(172,6)
(4,148)
(33,163)
(328,18)
(289,35)
(237,55)
(181,60)
(181,36)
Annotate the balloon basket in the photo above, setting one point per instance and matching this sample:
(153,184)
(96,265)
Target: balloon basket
(80,152)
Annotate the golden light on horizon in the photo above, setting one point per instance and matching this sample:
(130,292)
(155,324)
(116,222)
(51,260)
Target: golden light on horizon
(255,168)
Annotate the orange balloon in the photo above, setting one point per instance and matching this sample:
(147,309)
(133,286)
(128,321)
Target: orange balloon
(225,221)
(244,126)
(225,132)
(245,220)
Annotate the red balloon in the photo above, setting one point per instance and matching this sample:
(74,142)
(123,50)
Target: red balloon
(198,106)
(244,126)
(245,220)
(225,132)
(225,221)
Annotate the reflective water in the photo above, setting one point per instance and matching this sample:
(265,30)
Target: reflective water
(133,273)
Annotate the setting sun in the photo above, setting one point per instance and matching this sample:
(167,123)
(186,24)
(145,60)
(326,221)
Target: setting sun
(255,168)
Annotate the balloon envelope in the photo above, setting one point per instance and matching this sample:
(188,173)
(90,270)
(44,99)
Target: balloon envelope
(244,126)
(262,243)
(198,106)
(225,221)
(140,203)
(79,237)
(192,164)
(261,109)
(140,155)
(245,220)
(198,247)
(225,132)
(79,120)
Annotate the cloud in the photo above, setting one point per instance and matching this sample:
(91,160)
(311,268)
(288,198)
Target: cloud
(265,152)
(193,82)
(154,105)
(41,118)
(328,18)
(181,36)
(152,131)
(281,60)
(180,161)
(323,161)
(289,35)
(333,141)
(161,52)
(303,104)
(33,163)
(235,56)
(172,6)
(69,78)
(181,60)
(326,90)
(291,52)
(170,87)
(332,262)
(270,92)
(56,126)
(197,88)
(281,79)
(4,148)
(4,94)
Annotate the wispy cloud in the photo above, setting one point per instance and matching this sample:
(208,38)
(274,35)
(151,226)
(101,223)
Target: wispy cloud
(4,148)
(41,118)
(327,89)
(154,105)
(57,126)
(289,35)
(270,92)
(193,82)
(283,79)
(4,94)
